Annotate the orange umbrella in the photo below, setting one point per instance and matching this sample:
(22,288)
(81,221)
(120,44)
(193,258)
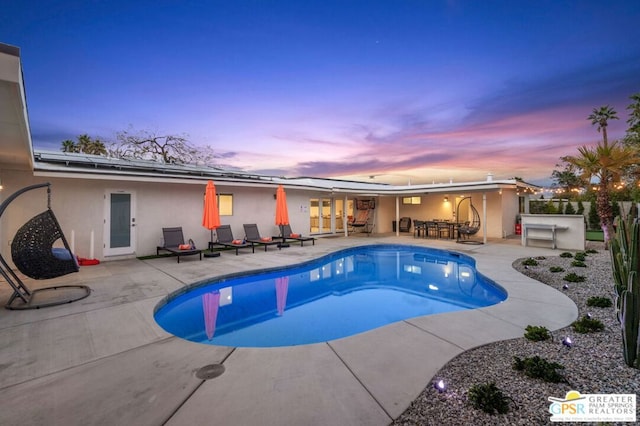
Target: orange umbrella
(282,288)
(282,213)
(210,303)
(211,215)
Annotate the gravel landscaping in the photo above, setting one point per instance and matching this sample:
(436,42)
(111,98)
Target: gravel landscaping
(594,364)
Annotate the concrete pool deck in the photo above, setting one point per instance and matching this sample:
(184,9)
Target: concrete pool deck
(104,361)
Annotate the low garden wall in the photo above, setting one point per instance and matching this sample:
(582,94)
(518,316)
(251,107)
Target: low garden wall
(570,232)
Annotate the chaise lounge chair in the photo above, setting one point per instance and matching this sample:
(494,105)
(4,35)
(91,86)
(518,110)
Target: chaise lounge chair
(253,236)
(173,240)
(287,234)
(225,239)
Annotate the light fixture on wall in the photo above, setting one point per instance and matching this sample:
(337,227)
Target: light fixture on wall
(446,199)
(1,185)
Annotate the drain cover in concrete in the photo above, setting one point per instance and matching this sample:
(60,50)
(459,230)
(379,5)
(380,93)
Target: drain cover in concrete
(210,371)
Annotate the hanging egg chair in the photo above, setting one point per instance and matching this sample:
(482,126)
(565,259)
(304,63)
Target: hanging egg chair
(33,254)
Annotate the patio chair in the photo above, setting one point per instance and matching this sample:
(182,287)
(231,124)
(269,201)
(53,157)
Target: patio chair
(253,236)
(360,222)
(33,254)
(405,224)
(174,244)
(225,239)
(432,229)
(287,234)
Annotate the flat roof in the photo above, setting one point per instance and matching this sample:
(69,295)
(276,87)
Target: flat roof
(87,166)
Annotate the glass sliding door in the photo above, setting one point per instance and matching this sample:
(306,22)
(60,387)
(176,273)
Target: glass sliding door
(324,215)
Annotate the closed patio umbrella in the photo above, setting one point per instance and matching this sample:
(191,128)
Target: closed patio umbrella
(210,303)
(210,215)
(282,213)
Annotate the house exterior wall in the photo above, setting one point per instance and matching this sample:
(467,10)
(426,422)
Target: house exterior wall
(79,205)
(79,202)
(510,209)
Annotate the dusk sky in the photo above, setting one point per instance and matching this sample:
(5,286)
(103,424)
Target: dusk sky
(401,90)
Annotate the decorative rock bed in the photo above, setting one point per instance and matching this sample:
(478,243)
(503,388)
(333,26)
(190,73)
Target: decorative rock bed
(594,364)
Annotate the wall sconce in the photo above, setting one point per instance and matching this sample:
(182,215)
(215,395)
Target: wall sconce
(1,187)
(446,199)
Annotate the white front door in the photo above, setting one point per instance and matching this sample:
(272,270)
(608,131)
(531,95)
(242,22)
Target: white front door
(119,223)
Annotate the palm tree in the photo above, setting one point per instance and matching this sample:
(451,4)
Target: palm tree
(600,117)
(85,145)
(69,146)
(633,132)
(607,164)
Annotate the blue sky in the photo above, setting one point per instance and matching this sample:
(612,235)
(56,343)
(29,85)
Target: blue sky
(402,90)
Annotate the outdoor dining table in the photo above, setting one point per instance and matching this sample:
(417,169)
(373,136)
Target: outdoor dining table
(438,228)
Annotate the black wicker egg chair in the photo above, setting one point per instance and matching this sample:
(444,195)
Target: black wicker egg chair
(33,255)
(469,228)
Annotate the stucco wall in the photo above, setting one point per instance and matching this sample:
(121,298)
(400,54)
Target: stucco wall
(79,206)
(510,210)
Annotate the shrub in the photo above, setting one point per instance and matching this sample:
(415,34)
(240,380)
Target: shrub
(489,398)
(539,368)
(569,209)
(587,325)
(556,269)
(579,264)
(530,262)
(580,256)
(591,251)
(593,217)
(574,278)
(599,302)
(540,258)
(537,333)
(580,208)
(566,254)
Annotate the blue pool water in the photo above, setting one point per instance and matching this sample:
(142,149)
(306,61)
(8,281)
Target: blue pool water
(338,295)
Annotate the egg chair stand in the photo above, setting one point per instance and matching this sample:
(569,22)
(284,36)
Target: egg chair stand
(467,229)
(33,254)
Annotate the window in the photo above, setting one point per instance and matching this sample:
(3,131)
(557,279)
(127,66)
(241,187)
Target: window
(225,204)
(411,200)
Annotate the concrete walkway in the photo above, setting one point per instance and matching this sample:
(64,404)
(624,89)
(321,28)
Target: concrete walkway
(104,361)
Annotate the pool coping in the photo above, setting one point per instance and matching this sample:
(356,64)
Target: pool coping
(106,359)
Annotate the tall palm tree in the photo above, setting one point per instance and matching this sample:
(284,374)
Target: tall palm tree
(607,164)
(600,117)
(633,132)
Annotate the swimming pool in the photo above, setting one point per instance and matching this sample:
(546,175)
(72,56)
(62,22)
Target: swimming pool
(338,295)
